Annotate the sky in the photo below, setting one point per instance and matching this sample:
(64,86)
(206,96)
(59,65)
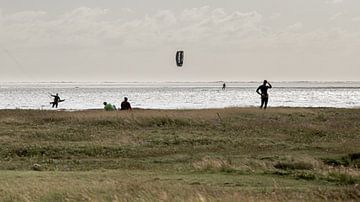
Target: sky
(133,40)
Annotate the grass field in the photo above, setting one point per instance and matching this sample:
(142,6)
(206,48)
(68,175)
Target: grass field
(173,155)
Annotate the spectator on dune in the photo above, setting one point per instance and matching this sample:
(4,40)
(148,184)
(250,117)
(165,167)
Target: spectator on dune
(263,91)
(125,105)
(109,107)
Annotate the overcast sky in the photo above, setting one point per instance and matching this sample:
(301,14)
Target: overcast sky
(133,40)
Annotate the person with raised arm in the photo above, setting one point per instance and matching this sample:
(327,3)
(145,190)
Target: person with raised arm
(263,92)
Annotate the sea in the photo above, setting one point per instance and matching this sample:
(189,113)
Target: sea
(177,95)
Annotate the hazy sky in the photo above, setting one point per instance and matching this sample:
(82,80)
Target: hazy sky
(133,40)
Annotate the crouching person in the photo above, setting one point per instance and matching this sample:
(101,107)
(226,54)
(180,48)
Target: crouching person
(109,107)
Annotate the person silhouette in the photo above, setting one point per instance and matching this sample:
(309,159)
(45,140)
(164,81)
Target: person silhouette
(125,105)
(224,86)
(263,92)
(56,101)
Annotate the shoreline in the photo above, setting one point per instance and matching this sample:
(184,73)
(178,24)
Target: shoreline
(181,109)
(179,96)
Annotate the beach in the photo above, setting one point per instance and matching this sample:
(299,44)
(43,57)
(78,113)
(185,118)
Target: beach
(229,154)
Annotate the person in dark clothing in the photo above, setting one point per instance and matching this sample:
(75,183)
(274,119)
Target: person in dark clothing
(56,100)
(125,105)
(263,91)
(224,86)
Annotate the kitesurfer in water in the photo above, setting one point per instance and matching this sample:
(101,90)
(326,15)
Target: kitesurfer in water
(125,105)
(224,86)
(56,100)
(263,91)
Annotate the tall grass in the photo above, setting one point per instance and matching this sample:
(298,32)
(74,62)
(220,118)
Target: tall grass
(229,154)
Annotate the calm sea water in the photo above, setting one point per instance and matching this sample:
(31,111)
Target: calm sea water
(179,95)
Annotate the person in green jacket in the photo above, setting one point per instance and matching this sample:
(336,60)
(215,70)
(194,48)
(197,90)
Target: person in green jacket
(109,107)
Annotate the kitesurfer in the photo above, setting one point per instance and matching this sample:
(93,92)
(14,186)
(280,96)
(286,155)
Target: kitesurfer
(56,100)
(109,107)
(125,105)
(224,86)
(263,92)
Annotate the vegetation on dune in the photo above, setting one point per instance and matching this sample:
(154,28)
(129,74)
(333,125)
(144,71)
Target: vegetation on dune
(246,153)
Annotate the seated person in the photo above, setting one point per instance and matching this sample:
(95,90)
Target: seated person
(109,107)
(125,105)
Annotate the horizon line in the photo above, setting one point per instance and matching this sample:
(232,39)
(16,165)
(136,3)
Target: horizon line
(219,81)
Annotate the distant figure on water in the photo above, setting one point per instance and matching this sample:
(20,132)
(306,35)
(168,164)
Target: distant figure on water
(224,86)
(263,91)
(109,107)
(56,101)
(125,105)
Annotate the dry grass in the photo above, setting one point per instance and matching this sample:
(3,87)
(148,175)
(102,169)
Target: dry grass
(198,155)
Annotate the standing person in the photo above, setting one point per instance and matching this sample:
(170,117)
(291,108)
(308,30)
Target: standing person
(56,100)
(224,86)
(125,105)
(264,94)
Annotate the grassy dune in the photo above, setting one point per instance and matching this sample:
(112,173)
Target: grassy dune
(199,155)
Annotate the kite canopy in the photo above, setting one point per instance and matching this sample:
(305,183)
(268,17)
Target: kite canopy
(179,58)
